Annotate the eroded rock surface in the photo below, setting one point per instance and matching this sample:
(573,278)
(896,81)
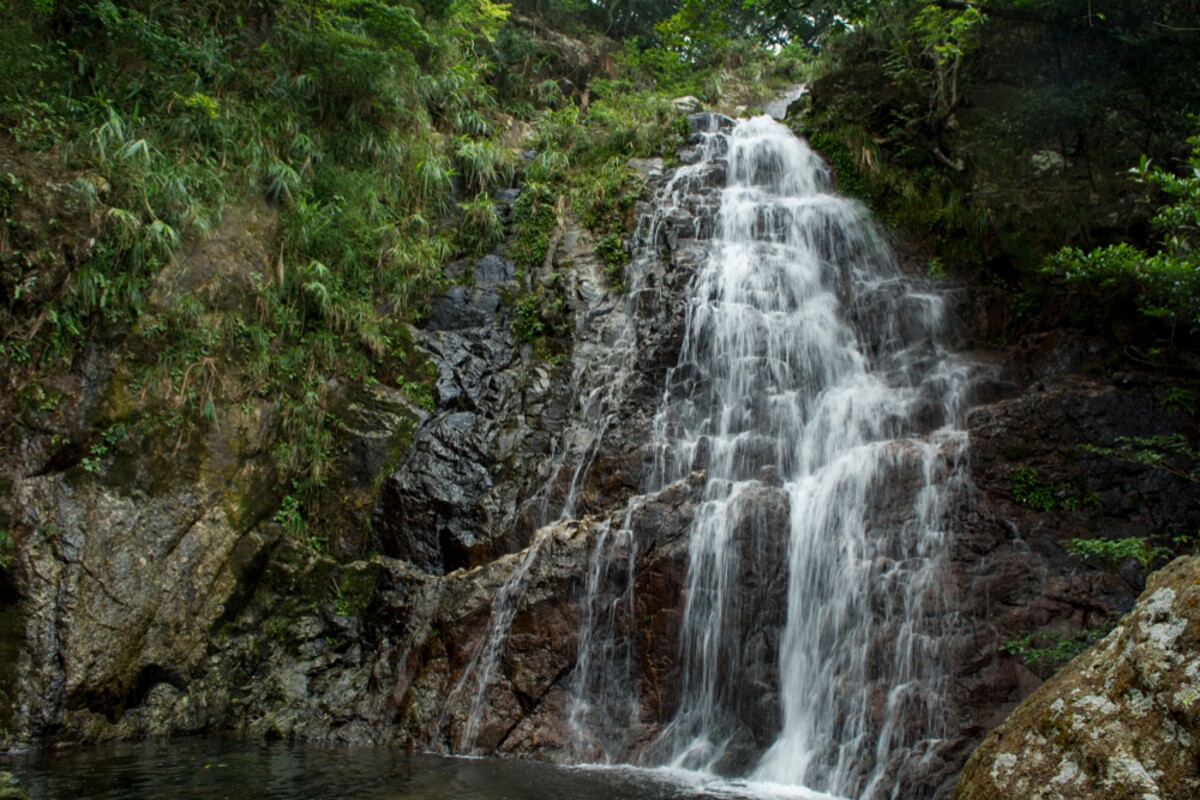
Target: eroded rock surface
(1120,721)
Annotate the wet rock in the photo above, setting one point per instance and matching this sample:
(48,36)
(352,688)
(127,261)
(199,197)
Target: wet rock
(134,536)
(1119,721)
(702,122)
(1011,572)
(107,615)
(647,168)
(373,424)
(429,513)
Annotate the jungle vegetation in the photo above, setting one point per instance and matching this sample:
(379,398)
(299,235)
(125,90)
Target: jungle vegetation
(376,133)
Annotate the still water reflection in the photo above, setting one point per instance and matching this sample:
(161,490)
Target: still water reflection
(221,769)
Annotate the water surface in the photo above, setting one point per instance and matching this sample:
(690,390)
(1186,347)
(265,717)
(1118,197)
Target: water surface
(224,769)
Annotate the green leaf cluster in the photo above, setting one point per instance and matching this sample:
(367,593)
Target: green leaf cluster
(612,252)
(1113,552)
(1171,453)
(1045,650)
(1029,490)
(1164,284)
(528,323)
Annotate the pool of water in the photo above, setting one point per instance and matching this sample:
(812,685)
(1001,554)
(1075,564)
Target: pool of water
(222,769)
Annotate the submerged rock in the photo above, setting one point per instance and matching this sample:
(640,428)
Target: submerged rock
(1120,721)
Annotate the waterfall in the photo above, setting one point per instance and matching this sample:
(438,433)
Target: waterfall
(604,699)
(814,394)
(604,695)
(816,416)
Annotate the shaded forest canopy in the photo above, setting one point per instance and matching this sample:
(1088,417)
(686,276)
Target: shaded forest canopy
(376,133)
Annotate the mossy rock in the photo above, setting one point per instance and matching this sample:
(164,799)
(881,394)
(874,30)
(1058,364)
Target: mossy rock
(1120,721)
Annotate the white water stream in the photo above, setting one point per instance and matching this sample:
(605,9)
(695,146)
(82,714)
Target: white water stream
(814,394)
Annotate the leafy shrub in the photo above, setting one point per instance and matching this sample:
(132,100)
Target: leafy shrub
(1170,453)
(290,518)
(605,195)
(528,323)
(1113,552)
(1180,399)
(615,257)
(481,228)
(1029,490)
(420,393)
(1046,650)
(484,164)
(549,165)
(534,217)
(1164,284)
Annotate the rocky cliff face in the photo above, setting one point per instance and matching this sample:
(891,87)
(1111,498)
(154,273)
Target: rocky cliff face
(1119,721)
(157,594)
(153,589)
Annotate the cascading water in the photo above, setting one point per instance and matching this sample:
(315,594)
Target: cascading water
(813,393)
(814,404)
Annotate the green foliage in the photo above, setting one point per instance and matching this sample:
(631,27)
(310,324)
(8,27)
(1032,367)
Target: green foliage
(484,164)
(539,316)
(1164,284)
(945,36)
(693,46)
(275,626)
(290,518)
(1087,500)
(615,257)
(852,179)
(604,197)
(1029,490)
(1171,453)
(1163,287)
(586,152)
(1181,400)
(621,122)
(481,228)
(7,549)
(1046,650)
(528,322)
(1113,552)
(97,450)
(689,41)
(420,393)
(550,165)
(534,216)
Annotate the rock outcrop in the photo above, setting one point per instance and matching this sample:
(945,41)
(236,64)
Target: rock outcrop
(1120,721)
(156,591)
